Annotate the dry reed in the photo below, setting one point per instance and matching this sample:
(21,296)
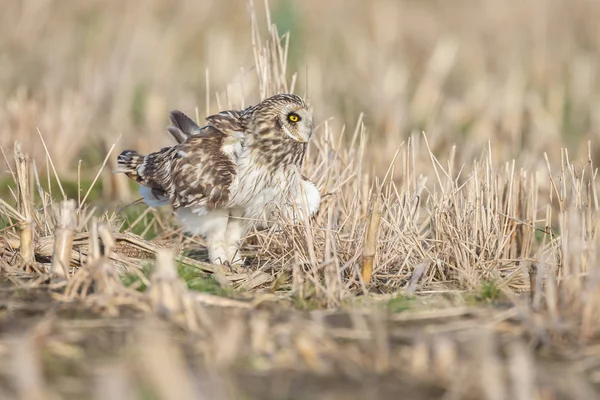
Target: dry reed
(471,271)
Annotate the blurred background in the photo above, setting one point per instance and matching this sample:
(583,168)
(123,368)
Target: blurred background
(523,74)
(515,78)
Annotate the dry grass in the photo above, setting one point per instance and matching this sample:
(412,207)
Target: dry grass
(455,251)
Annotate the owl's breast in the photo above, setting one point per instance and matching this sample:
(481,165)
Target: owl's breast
(262,191)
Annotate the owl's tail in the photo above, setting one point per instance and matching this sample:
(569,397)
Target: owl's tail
(130,162)
(142,169)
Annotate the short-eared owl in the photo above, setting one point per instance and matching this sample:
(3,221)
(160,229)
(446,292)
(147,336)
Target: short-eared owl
(239,169)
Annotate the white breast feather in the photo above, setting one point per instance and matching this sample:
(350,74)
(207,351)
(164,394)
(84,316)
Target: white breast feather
(308,199)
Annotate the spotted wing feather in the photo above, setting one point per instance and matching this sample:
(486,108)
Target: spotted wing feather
(182,126)
(201,173)
(230,122)
(196,173)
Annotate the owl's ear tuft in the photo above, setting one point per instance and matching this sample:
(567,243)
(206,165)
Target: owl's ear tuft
(182,126)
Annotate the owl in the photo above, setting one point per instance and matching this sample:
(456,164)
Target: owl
(239,170)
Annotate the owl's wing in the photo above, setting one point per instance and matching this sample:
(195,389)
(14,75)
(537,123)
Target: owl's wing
(229,122)
(182,126)
(201,172)
(196,173)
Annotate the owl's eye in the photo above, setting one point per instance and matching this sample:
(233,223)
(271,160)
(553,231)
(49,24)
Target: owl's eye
(293,117)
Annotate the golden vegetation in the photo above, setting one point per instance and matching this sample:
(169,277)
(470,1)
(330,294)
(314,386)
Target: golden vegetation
(455,251)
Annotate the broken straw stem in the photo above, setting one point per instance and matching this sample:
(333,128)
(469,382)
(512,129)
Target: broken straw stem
(370,246)
(66,220)
(25,201)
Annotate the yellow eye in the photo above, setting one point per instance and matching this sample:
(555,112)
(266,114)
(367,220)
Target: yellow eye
(294,117)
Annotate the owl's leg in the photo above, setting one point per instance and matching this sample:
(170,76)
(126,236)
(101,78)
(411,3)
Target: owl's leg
(215,227)
(236,229)
(212,225)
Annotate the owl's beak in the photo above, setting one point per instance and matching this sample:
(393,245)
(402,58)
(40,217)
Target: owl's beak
(304,135)
(300,135)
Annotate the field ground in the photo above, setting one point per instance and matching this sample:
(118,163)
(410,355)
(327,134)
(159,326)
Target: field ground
(455,148)
(259,346)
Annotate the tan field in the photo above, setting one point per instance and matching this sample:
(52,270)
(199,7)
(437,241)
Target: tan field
(454,253)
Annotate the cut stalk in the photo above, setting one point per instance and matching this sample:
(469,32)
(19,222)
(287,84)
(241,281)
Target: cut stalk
(26,229)
(169,296)
(66,221)
(370,247)
(533,279)
(94,242)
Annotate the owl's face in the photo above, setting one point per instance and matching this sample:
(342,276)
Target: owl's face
(283,115)
(296,122)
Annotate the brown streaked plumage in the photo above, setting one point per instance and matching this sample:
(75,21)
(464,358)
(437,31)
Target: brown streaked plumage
(237,169)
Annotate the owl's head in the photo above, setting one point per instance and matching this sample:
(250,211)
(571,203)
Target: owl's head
(285,115)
